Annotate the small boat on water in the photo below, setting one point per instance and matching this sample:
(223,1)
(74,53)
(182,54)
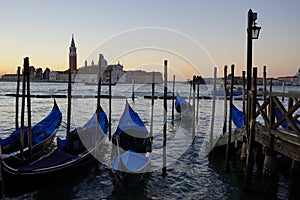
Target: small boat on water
(72,154)
(237,91)
(131,149)
(43,134)
(183,107)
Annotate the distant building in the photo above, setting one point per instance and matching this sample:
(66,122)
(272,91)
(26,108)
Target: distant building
(63,76)
(275,81)
(116,73)
(289,80)
(140,76)
(73,56)
(90,73)
(9,77)
(298,77)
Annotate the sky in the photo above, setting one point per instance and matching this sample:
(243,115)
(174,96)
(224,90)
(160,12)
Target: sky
(193,35)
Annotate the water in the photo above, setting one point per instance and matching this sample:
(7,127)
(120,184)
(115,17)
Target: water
(190,175)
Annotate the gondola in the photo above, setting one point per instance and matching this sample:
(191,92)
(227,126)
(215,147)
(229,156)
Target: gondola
(183,107)
(43,134)
(72,154)
(131,149)
(237,117)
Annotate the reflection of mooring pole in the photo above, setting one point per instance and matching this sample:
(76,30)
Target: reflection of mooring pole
(164,169)
(173,97)
(17,98)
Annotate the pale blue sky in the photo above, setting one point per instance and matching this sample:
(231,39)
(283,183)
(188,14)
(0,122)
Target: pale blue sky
(42,30)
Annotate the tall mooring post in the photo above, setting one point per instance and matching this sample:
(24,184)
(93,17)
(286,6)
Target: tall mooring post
(225,100)
(252,33)
(229,120)
(164,169)
(250,155)
(17,98)
(26,62)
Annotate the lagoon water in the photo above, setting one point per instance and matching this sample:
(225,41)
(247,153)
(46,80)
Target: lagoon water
(190,174)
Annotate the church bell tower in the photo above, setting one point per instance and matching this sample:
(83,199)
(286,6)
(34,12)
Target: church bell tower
(73,56)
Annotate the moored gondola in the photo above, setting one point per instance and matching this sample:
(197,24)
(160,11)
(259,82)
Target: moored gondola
(183,107)
(72,154)
(43,134)
(131,149)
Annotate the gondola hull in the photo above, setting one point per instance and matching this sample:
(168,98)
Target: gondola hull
(68,159)
(131,150)
(46,131)
(17,182)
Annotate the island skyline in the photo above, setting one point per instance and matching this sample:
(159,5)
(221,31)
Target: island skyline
(207,35)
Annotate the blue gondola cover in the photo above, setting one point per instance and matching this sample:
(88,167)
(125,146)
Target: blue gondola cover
(237,117)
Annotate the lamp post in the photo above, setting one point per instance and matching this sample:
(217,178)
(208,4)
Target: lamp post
(252,33)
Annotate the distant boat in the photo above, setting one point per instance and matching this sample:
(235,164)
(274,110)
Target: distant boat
(131,150)
(237,91)
(71,154)
(43,134)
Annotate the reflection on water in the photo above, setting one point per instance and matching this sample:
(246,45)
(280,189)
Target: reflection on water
(189,173)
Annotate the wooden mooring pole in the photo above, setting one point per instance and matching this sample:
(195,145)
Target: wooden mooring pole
(264,82)
(283,90)
(98,128)
(69,102)
(252,110)
(173,99)
(29,133)
(225,100)
(198,89)
(193,113)
(109,107)
(213,110)
(229,121)
(164,169)
(152,104)
(132,95)
(270,165)
(244,145)
(17,97)
(23,110)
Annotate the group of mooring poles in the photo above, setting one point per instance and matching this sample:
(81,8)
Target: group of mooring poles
(249,116)
(26,78)
(193,83)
